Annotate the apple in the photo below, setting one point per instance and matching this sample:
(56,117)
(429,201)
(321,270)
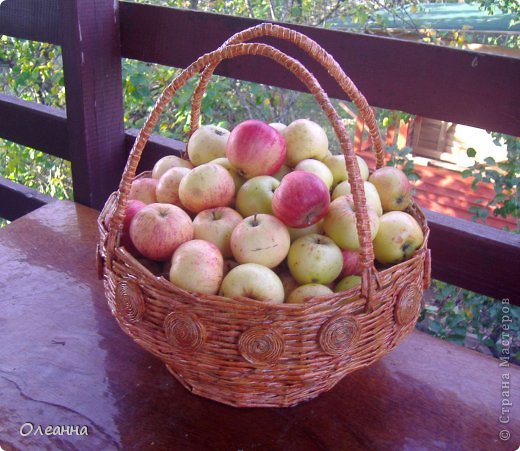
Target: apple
(301,200)
(393,187)
(206,186)
(371,194)
(256,195)
(340,223)
(158,229)
(351,265)
(346,283)
(315,259)
(167,162)
(143,189)
(318,168)
(296,233)
(261,239)
(197,265)
(255,148)
(167,190)
(399,236)
(336,165)
(239,180)
(305,139)
(207,143)
(253,281)
(288,281)
(282,172)
(216,225)
(309,290)
(278,126)
(132,207)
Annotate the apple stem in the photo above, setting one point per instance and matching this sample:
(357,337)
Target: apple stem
(214,214)
(255,221)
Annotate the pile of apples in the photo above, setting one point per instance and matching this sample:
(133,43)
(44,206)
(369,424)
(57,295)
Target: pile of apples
(264,212)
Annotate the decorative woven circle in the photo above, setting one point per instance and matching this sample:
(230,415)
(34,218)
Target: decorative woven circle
(129,300)
(261,345)
(339,334)
(184,331)
(408,304)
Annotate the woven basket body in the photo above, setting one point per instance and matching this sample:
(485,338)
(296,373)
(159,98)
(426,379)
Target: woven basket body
(245,352)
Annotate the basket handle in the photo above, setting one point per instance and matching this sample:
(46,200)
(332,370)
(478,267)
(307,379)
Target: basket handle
(215,57)
(313,49)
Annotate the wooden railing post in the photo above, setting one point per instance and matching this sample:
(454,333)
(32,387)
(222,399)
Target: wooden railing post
(92,71)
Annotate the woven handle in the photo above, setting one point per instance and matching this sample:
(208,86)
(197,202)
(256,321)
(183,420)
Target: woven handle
(214,58)
(313,49)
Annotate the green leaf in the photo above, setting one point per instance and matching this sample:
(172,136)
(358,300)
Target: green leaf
(471,152)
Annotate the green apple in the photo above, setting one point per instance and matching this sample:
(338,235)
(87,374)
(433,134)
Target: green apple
(318,168)
(371,194)
(340,223)
(399,236)
(207,143)
(282,172)
(256,195)
(336,164)
(253,281)
(314,228)
(310,290)
(393,187)
(315,259)
(237,178)
(305,139)
(346,283)
(167,162)
(216,226)
(278,126)
(262,239)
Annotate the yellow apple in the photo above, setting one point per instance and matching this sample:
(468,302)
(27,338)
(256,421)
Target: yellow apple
(303,292)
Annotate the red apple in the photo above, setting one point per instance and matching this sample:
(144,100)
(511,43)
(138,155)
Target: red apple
(158,229)
(143,189)
(255,148)
(301,200)
(351,266)
(197,265)
(132,207)
(167,190)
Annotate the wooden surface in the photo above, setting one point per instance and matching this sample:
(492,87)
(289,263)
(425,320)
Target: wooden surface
(472,263)
(64,361)
(36,20)
(427,80)
(93,84)
(17,200)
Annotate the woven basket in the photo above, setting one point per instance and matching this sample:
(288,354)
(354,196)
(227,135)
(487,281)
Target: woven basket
(244,352)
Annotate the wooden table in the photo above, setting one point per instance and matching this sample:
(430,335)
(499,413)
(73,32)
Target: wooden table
(65,362)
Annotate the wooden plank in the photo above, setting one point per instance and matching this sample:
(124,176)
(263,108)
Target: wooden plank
(432,81)
(62,347)
(34,125)
(17,200)
(92,70)
(36,20)
(156,147)
(476,257)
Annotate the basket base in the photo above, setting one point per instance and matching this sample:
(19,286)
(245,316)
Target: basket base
(234,399)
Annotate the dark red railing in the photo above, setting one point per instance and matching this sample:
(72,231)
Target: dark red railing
(460,86)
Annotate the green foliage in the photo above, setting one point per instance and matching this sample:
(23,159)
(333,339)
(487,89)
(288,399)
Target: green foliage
(503,175)
(470,319)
